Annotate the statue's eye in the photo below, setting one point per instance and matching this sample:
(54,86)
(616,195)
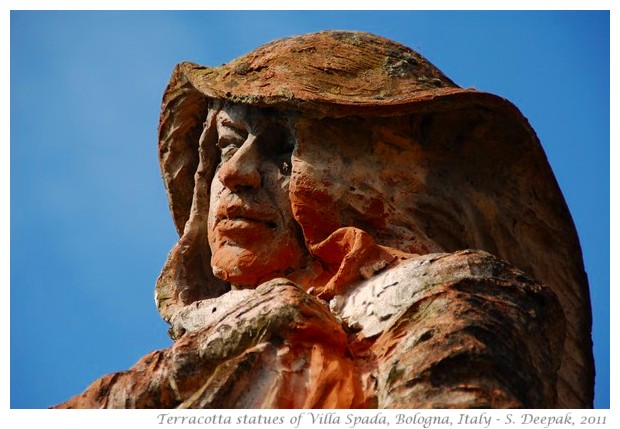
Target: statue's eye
(287,144)
(230,138)
(278,144)
(278,141)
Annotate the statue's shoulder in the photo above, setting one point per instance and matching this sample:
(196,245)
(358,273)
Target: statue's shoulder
(373,305)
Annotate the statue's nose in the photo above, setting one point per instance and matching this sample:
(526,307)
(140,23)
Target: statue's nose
(241,171)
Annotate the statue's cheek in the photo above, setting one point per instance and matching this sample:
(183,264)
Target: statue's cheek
(313,203)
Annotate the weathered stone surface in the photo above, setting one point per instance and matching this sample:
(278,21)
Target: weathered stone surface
(470,331)
(458,330)
(278,347)
(325,188)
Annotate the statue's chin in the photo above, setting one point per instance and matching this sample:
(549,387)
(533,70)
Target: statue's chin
(248,268)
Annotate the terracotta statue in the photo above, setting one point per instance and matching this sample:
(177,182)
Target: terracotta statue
(357,231)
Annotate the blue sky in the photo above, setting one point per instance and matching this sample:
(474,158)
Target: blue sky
(90,227)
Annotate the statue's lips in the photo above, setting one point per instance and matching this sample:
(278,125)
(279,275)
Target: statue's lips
(244,232)
(240,215)
(244,223)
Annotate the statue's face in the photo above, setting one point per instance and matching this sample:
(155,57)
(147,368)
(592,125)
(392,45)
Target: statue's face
(252,233)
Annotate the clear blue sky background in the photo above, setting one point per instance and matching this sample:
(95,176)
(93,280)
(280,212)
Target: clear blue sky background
(90,227)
